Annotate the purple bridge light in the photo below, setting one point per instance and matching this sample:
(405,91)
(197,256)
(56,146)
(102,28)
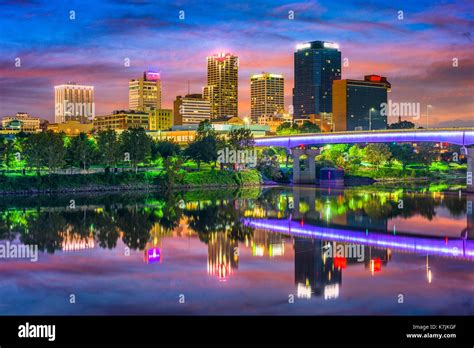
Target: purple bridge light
(456,136)
(459,248)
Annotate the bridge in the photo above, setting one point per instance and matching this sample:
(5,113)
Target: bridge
(463,137)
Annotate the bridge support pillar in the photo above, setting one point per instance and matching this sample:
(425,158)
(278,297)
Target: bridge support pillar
(470,169)
(306,173)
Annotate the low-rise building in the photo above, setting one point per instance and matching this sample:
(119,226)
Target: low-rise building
(160,119)
(122,119)
(71,128)
(22,122)
(191,109)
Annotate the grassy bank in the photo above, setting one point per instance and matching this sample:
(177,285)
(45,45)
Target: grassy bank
(123,181)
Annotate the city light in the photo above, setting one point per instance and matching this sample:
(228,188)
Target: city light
(303,46)
(457,137)
(331,45)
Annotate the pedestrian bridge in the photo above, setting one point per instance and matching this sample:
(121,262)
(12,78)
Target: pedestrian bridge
(456,136)
(306,173)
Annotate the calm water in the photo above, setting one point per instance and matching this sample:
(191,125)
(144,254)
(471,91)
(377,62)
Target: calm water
(251,251)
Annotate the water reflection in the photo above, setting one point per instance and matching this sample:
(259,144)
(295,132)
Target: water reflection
(263,224)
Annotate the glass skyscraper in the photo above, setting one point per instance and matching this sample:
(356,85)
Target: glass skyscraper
(317,65)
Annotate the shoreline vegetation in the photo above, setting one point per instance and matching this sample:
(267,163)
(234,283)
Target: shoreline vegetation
(104,161)
(125,181)
(156,181)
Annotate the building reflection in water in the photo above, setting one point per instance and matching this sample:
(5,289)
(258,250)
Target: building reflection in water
(314,273)
(71,241)
(266,243)
(376,258)
(223,255)
(153,248)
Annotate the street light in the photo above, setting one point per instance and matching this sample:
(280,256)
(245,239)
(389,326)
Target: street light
(428,106)
(370,118)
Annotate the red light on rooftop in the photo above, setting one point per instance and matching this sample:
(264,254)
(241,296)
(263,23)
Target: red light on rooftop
(221,56)
(375,78)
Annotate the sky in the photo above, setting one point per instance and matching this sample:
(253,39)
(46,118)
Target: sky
(427,55)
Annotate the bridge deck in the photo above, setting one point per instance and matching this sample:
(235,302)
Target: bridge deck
(457,136)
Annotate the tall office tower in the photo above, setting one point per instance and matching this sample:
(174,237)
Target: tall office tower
(222,85)
(267,95)
(190,109)
(317,65)
(357,104)
(73,102)
(144,94)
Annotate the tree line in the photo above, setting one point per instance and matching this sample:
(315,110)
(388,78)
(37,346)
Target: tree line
(133,147)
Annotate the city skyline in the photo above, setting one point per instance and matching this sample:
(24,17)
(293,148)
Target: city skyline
(416,53)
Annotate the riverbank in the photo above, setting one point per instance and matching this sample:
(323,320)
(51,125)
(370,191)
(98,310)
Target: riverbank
(125,181)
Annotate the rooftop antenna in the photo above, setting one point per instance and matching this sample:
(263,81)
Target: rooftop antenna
(188,88)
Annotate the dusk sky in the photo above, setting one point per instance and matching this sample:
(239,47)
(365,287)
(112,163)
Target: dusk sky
(415,54)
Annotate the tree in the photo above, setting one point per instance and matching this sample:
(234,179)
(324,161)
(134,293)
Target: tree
(45,149)
(270,167)
(309,127)
(336,154)
(165,149)
(205,130)
(9,152)
(136,146)
(402,125)
(240,139)
(108,146)
(202,150)
(287,128)
(377,154)
(402,153)
(173,171)
(426,153)
(81,151)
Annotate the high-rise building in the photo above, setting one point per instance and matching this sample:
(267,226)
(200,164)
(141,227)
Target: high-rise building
(222,84)
(144,94)
(267,95)
(317,65)
(357,104)
(191,109)
(74,102)
(160,119)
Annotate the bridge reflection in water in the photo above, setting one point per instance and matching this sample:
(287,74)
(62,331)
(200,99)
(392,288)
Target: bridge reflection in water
(459,248)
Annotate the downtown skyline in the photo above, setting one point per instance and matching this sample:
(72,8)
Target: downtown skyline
(414,53)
